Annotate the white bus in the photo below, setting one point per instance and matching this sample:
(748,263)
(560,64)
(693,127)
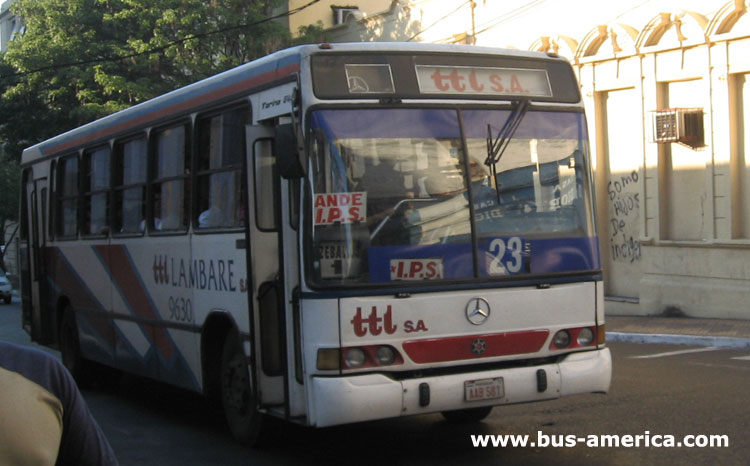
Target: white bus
(330,234)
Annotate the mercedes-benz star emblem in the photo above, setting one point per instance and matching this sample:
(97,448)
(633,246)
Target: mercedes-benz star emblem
(477,311)
(478,346)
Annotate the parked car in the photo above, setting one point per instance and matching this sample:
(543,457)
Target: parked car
(5,287)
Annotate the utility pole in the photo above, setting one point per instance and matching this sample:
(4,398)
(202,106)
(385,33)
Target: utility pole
(473,25)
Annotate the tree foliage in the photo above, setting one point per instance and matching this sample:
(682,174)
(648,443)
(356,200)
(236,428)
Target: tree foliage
(126,51)
(79,60)
(9,190)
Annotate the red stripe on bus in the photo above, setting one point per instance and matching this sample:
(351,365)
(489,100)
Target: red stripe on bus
(135,295)
(65,278)
(182,106)
(475,346)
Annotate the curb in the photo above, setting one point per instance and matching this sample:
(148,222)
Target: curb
(672,339)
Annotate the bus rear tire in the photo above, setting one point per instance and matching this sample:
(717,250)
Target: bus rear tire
(465,416)
(237,395)
(70,349)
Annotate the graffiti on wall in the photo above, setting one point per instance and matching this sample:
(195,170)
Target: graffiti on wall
(624,209)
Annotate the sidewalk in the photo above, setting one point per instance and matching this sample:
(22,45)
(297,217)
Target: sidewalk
(679,331)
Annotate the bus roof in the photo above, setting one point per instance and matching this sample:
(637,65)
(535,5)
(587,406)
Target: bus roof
(233,83)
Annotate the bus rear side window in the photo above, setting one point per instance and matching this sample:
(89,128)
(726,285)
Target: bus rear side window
(170,188)
(67,226)
(130,185)
(95,189)
(221,150)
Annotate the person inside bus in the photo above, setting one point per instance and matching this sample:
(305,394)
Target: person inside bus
(385,189)
(44,418)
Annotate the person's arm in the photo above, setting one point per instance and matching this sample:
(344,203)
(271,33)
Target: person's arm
(83,442)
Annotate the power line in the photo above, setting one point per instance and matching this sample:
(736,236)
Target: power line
(161,47)
(507,16)
(523,9)
(441,19)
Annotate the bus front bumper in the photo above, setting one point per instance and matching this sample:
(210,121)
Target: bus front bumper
(343,400)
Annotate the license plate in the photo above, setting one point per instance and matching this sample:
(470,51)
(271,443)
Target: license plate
(485,389)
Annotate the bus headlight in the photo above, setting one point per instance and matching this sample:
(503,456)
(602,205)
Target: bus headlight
(385,355)
(561,339)
(585,337)
(354,358)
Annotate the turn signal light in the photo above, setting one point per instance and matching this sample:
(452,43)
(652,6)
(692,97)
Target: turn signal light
(601,335)
(329,359)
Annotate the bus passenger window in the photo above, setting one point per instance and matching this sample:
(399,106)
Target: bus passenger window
(67,193)
(95,189)
(221,150)
(130,186)
(170,188)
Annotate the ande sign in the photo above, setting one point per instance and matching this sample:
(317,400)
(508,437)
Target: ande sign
(342,208)
(474,80)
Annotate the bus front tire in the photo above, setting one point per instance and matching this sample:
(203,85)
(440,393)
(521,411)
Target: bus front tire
(237,395)
(465,416)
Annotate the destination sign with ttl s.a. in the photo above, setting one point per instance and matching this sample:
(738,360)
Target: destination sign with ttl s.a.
(475,80)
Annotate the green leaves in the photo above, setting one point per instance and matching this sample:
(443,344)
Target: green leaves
(82,59)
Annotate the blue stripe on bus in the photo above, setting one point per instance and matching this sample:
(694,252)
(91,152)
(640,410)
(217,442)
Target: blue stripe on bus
(535,125)
(443,123)
(387,123)
(545,256)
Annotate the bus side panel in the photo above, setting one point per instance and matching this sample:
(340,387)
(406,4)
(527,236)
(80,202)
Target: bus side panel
(152,304)
(130,304)
(79,277)
(221,280)
(319,319)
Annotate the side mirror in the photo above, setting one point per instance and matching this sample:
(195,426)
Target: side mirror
(290,157)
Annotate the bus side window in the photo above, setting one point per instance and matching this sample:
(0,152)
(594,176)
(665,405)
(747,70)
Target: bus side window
(67,195)
(95,182)
(220,153)
(170,185)
(130,174)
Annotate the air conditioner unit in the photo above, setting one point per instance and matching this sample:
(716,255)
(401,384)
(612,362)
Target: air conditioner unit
(681,125)
(341,14)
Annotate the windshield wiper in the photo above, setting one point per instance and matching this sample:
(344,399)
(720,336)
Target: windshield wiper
(496,147)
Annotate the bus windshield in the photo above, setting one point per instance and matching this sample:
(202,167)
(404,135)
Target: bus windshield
(405,194)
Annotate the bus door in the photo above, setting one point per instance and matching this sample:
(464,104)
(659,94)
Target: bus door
(266,294)
(32,262)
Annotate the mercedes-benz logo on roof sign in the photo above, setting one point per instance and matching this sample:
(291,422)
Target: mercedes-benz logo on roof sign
(477,311)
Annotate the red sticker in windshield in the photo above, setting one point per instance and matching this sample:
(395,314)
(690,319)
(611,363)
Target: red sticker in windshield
(416,269)
(341,208)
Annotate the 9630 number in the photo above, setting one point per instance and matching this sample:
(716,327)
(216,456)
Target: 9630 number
(180,309)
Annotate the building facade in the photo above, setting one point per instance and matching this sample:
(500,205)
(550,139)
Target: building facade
(10,25)
(673,209)
(330,13)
